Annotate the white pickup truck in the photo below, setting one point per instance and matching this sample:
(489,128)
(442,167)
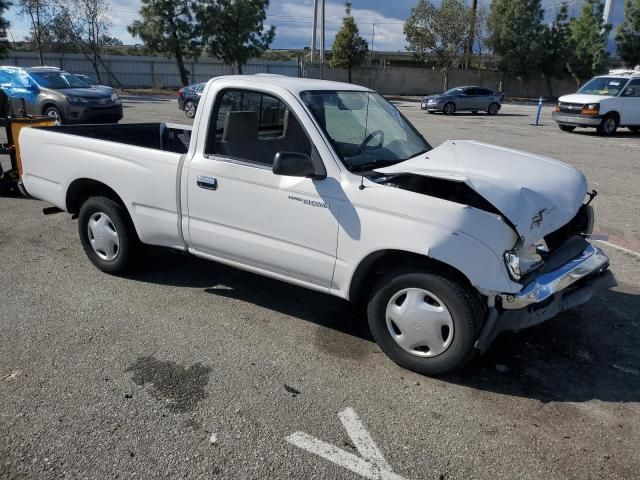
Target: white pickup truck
(328,186)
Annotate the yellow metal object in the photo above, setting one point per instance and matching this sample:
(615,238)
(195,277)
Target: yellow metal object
(17,124)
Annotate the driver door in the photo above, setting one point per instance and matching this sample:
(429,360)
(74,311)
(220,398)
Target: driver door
(241,212)
(630,105)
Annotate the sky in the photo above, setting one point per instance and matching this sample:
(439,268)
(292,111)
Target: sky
(293,20)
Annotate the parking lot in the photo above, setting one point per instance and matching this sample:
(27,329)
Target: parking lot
(191,369)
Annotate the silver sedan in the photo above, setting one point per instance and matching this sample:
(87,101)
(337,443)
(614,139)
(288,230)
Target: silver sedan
(474,99)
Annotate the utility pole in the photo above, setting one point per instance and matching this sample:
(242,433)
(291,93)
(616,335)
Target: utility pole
(468,49)
(313,31)
(608,10)
(322,39)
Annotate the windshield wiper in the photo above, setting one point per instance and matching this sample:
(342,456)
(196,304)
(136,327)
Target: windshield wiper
(365,167)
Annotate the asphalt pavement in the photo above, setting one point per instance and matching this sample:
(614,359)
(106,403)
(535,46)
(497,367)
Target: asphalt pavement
(191,369)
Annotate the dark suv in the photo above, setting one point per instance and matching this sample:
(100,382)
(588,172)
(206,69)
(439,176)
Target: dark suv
(58,94)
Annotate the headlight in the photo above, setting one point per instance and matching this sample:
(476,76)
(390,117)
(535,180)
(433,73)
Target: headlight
(432,100)
(512,261)
(77,100)
(114,97)
(591,109)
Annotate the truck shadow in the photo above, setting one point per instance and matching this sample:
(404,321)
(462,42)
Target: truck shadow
(588,353)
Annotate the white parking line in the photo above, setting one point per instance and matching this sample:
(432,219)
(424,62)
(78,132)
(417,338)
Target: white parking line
(618,247)
(372,465)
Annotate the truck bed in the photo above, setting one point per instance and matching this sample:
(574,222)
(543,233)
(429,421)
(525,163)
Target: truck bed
(159,136)
(140,162)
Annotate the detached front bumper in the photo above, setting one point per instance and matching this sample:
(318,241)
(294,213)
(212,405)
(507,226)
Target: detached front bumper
(572,284)
(576,120)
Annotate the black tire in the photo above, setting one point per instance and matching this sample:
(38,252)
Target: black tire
(566,128)
(608,125)
(126,253)
(190,109)
(449,108)
(464,308)
(634,129)
(54,112)
(493,108)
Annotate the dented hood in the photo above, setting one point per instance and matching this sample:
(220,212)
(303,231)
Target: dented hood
(536,194)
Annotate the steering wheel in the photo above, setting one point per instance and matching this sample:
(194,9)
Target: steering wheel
(371,136)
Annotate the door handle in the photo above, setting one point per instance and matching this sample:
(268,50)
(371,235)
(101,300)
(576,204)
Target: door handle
(208,183)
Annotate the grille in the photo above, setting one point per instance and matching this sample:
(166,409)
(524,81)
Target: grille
(566,107)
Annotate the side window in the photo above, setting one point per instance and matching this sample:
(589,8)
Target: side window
(21,79)
(254,126)
(484,92)
(633,89)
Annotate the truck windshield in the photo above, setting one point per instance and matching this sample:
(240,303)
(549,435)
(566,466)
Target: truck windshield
(58,80)
(608,86)
(364,128)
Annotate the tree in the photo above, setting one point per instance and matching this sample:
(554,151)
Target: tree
(4,25)
(628,34)
(166,27)
(234,30)
(588,35)
(473,22)
(439,33)
(516,35)
(85,24)
(349,48)
(41,14)
(556,47)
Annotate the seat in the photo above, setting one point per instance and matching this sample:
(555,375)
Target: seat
(240,136)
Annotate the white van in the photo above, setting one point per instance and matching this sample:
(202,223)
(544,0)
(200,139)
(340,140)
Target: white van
(605,102)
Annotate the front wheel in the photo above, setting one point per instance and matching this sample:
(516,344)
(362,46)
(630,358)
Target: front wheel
(566,128)
(107,235)
(425,322)
(54,113)
(449,108)
(608,125)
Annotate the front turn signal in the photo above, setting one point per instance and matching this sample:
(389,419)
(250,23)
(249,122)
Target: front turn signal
(591,109)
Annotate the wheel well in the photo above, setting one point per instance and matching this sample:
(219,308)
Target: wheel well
(378,263)
(83,188)
(614,114)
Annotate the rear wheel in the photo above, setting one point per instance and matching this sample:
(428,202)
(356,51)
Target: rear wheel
(449,108)
(566,128)
(425,322)
(474,111)
(608,125)
(189,109)
(107,235)
(493,109)
(634,129)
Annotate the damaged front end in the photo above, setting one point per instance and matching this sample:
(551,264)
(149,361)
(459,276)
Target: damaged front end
(552,265)
(560,272)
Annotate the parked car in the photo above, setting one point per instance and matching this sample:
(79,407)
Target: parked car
(605,103)
(59,94)
(474,99)
(92,82)
(327,185)
(189,97)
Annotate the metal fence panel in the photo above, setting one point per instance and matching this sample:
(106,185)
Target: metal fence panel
(148,72)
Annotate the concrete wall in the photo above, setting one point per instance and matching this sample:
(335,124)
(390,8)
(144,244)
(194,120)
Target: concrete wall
(148,72)
(422,81)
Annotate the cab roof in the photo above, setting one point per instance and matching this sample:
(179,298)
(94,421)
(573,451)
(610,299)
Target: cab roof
(293,84)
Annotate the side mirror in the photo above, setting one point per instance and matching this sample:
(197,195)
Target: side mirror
(294,164)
